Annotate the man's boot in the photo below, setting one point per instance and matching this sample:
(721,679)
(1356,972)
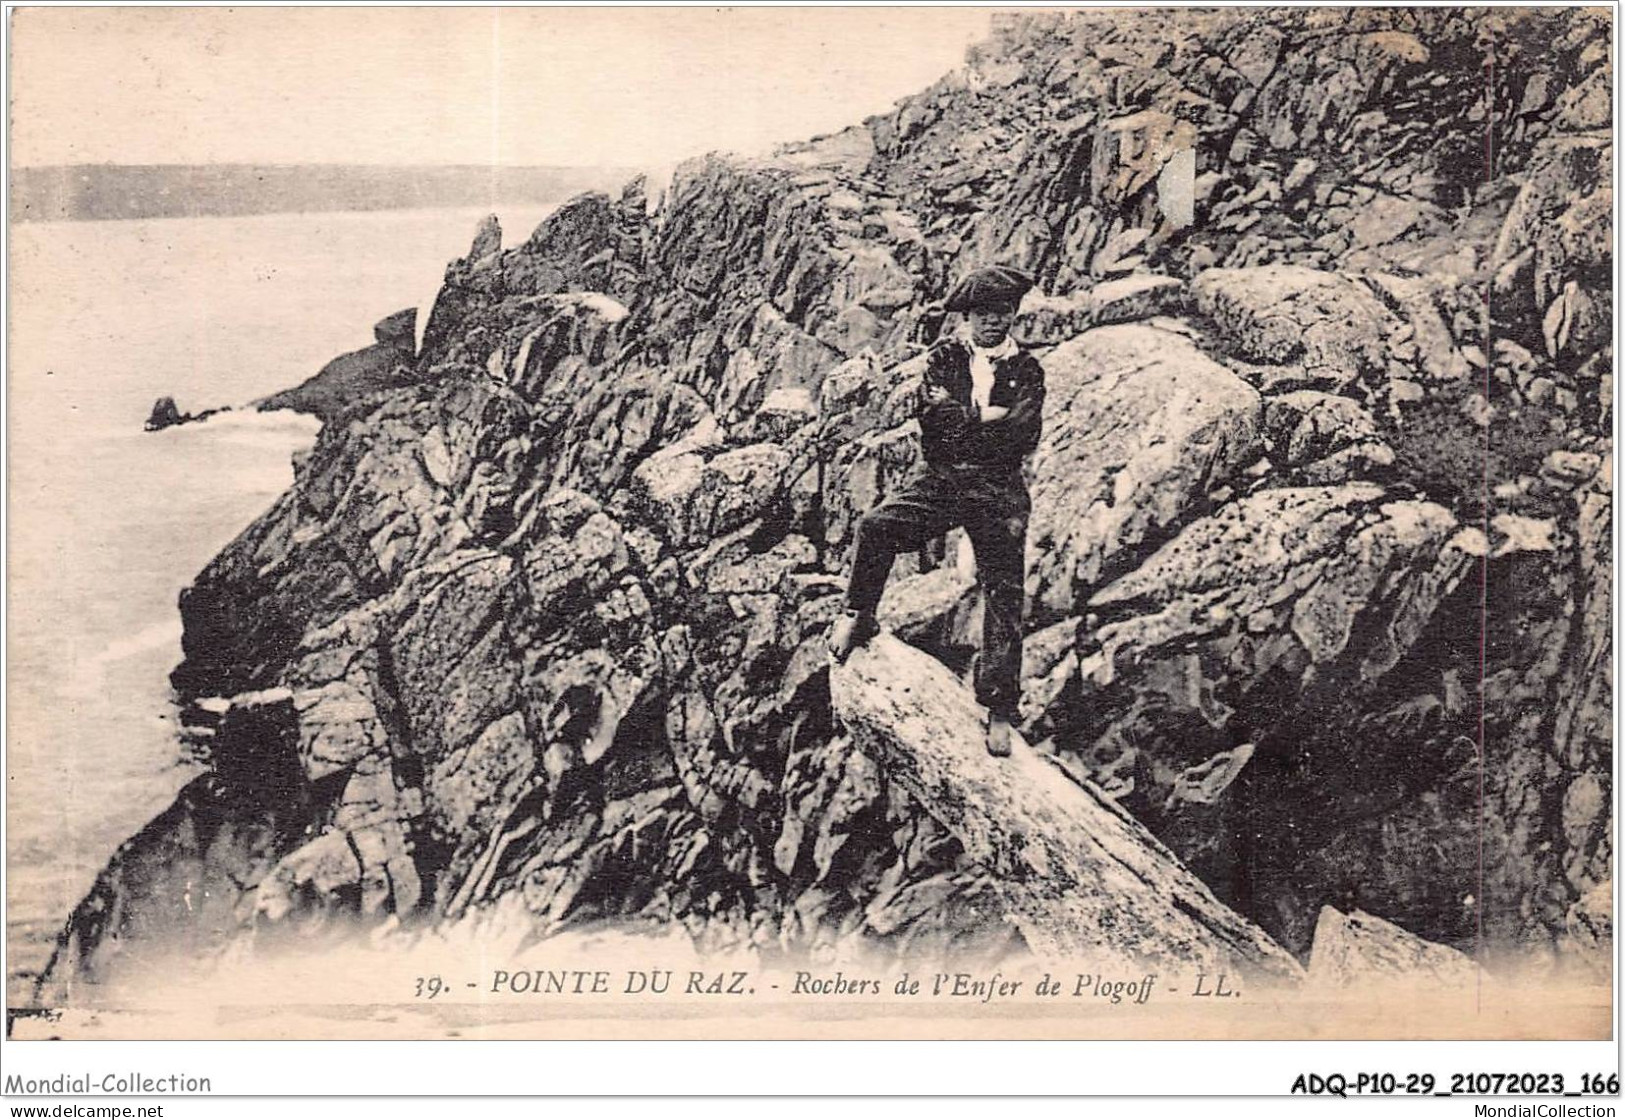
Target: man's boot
(998,736)
(850,631)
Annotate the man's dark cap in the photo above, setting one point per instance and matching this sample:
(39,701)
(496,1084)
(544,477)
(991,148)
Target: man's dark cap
(994,286)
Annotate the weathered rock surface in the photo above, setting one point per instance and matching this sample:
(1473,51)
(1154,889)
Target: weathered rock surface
(1323,439)
(1047,320)
(1327,326)
(1275,624)
(1289,582)
(545,605)
(1359,949)
(1079,877)
(1141,427)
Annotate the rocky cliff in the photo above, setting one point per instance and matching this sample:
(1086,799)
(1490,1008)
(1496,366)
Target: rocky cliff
(1319,572)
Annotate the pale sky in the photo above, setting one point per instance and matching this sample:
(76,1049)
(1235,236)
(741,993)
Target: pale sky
(599,86)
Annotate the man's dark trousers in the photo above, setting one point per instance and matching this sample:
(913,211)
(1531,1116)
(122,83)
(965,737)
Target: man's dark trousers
(991,503)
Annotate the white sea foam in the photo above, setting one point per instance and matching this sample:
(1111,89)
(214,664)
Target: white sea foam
(148,638)
(245,425)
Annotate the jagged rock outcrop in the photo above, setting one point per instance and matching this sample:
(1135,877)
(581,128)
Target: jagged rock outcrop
(173,892)
(548,604)
(1329,331)
(352,377)
(1285,593)
(1322,438)
(164,414)
(1362,949)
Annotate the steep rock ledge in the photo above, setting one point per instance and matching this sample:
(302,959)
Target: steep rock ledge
(1081,878)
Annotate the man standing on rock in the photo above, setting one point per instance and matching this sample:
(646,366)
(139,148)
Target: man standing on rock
(980,410)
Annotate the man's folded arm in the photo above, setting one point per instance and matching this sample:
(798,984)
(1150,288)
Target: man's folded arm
(1018,430)
(941,421)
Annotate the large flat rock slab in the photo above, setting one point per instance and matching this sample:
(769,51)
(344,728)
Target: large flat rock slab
(1081,878)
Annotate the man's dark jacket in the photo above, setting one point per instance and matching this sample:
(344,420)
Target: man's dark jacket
(950,433)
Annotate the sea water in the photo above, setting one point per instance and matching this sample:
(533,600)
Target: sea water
(107,523)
